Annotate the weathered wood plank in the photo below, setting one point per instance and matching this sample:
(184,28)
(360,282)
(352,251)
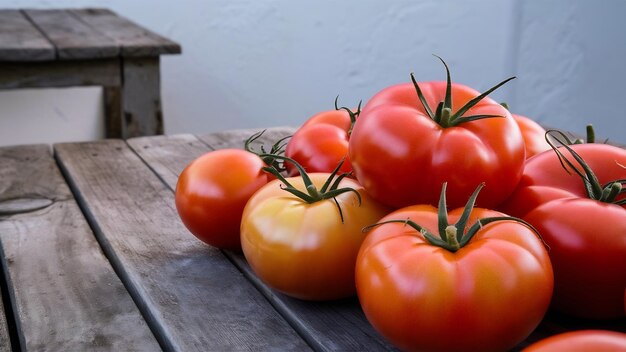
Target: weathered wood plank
(5,340)
(134,41)
(64,293)
(327,326)
(141,97)
(72,38)
(105,72)
(167,156)
(20,40)
(192,296)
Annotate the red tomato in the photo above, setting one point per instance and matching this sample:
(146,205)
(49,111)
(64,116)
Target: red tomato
(303,249)
(587,241)
(533,134)
(544,178)
(322,142)
(587,237)
(402,155)
(488,295)
(581,341)
(212,191)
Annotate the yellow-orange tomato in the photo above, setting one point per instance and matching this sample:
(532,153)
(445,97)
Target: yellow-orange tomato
(581,341)
(304,249)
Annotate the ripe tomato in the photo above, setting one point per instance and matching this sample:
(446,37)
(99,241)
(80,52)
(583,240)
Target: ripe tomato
(581,341)
(304,249)
(401,151)
(322,141)
(544,178)
(533,134)
(586,234)
(587,241)
(212,191)
(488,295)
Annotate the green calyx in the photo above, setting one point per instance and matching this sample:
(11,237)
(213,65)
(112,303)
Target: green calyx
(443,115)
(330,189)
(603,193)
(453,236)
(353,114)
(590,138)
(269,158)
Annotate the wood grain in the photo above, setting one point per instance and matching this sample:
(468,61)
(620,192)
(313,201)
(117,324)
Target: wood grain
(72,38)
(105,72)
(134,41)
(64,293)
(192,296)
(326,326)
(20,40)
(141,97)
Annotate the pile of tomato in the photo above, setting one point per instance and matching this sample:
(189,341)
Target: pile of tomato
(456,223)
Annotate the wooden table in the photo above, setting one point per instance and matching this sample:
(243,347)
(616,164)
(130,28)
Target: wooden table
(94,257)
(88,47)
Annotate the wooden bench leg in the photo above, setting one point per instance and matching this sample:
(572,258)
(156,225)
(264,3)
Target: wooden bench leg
(141,97)
(113,112)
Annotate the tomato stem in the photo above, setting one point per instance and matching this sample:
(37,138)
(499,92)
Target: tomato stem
(451,233)
(445,118)
(353,114)
(603,193)
(329,190)
(453,237)
(277,148)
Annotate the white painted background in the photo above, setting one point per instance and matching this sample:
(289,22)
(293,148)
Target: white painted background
(248,64)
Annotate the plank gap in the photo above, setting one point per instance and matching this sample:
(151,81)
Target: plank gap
(42,32)
(157,330)
(16,337)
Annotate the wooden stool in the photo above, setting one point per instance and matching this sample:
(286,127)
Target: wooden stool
(88,47)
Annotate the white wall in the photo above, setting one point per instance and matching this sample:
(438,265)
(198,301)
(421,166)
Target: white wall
(249,64)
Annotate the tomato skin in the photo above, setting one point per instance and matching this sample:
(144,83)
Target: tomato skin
(587,241)
(534,135)
(587,237)
(320,143)
(212,191)
(402,157)
(544,179)
(489,295)
(581,341)
(304,250)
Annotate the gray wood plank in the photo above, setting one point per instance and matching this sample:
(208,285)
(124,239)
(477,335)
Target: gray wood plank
(5,340)
(191,294)
(20,40)
(72,38)
(134,41)
(105,72)
(64,293)
(326,326)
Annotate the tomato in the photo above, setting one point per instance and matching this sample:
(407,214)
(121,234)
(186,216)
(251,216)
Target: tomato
(212,191)
(586,234)
(402,153)
(322,141)
(544,178)
(581,341)
(533,134)
(487,295)
(307,250)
